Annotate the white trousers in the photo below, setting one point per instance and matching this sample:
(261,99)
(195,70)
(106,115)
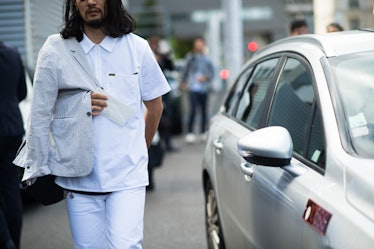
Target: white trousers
(112,221)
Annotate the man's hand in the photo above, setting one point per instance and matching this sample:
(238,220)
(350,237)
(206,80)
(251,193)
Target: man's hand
(202,78)
(98,103)
(183,86)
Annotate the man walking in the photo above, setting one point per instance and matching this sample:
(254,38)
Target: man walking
(197,77)
(97,53)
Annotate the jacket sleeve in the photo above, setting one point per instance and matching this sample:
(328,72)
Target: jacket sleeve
(38,129)
(187,68)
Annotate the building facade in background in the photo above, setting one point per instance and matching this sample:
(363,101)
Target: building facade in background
(351,14)
(25,24)
(265,20)
(184,20)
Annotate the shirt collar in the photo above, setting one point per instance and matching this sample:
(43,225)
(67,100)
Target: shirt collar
(107,44)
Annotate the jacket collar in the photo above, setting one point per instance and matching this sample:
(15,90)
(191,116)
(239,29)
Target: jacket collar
(79,55)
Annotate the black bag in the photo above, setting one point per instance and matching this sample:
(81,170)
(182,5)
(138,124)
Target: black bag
(44,190)
(155,155)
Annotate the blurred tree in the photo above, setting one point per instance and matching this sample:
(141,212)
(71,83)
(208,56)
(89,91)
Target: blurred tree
(150,21)
(181,47)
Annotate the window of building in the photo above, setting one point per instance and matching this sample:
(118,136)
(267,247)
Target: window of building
(354,23)
(354,4)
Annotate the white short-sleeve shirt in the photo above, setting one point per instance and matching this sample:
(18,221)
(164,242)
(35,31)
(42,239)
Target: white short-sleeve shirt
(127,70)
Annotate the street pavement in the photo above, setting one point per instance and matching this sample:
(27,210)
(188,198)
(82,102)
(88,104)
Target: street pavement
(174,212)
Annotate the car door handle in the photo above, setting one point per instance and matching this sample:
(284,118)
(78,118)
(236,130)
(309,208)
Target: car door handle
(246,169)
(218,144)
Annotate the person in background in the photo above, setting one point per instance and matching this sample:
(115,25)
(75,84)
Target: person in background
(13,90)
(334,27)
(99,60)
(162,55)
(299,27)
(196,78)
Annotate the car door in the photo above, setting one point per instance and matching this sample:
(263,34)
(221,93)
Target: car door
(275,197)
(227,160)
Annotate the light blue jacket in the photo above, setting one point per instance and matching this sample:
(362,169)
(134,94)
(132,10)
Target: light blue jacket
(198,64)
(59,137)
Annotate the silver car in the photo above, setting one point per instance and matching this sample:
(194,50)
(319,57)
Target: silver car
(289,159)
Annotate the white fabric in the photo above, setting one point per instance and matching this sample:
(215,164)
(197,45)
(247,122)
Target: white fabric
(110,221)
(126,69)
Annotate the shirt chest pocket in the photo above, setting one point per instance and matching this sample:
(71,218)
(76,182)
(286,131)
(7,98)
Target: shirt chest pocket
(124,87)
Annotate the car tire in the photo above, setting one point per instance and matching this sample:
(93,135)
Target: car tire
(213,226)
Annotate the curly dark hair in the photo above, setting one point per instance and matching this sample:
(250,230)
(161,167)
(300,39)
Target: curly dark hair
(118,20)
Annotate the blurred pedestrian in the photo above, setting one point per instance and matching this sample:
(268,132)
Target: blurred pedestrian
(99,87)
(299,27)
(13,90)
(196,78)
(162,53)
(334,27)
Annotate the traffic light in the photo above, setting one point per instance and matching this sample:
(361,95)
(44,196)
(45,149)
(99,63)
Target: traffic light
(224,74)
(252,46)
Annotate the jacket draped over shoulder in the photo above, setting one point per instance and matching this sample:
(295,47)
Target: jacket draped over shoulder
(59,137)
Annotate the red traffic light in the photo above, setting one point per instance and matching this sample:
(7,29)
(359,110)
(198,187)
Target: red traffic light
(252,46)
(224,74)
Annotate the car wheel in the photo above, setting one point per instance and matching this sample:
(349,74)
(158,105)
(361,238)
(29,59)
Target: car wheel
(212,222)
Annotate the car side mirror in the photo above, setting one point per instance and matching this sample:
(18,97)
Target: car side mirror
(270,146)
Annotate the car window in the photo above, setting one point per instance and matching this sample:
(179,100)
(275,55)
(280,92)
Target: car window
(235,91)
(250,104)
(354,77)
(316,146)
(292,104)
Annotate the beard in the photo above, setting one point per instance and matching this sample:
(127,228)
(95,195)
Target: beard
(96,23)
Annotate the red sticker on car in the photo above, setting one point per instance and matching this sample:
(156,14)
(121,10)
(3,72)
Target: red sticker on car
(317,217)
